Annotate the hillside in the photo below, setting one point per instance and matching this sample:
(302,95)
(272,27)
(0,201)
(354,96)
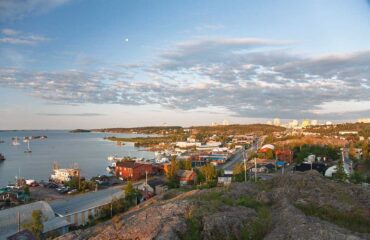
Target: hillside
(292,206)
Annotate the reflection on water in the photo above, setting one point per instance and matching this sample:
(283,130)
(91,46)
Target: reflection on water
(88,150)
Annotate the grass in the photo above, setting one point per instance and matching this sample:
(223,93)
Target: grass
(259,228)
(193,231)
(350,220)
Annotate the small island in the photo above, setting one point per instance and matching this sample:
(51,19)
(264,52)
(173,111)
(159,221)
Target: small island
(80,131)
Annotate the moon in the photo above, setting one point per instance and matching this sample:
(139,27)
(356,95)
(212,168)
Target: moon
(126,40)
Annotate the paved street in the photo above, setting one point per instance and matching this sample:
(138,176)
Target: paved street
(237,158)
(88,200)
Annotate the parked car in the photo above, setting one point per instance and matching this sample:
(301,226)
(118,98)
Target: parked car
(72,191)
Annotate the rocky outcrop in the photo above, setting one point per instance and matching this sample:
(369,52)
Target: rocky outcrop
(235,212)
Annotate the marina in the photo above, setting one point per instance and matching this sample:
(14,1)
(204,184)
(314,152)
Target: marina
(88,150)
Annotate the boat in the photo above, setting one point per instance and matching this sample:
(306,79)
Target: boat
(2,158)
(115,158)
(28,147)
(2,141)
(15,141)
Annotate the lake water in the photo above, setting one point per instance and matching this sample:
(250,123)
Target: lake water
(88,150)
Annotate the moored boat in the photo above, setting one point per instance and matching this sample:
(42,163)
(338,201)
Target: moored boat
(2,158)
(15,141)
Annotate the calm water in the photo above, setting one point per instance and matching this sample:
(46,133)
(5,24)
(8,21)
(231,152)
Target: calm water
(88,150)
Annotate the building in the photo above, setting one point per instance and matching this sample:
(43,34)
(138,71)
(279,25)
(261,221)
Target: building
(305,123)
(348,132)
(363,120)
(63,175)
(284,155)
(276,122)
(314,122)
(52,225)
(186,177)
(131,170)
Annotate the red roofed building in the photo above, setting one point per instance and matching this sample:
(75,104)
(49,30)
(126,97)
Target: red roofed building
(130,170)
(284,155)
(186,177)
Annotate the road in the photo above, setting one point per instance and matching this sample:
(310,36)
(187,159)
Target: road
(88,200)
(238,157)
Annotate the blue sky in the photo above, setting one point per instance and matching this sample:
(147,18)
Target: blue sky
(90,63)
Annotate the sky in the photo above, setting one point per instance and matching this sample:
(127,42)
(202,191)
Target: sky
(68,64)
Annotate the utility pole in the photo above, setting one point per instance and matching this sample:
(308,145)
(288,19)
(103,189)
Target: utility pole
(255,170)
(245,167)
(19,221)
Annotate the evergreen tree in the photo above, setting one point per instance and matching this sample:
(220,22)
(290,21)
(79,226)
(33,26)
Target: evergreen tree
(340,174)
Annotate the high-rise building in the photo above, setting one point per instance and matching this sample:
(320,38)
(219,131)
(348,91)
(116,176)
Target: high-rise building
(276,121)
(313,122)
(305,123)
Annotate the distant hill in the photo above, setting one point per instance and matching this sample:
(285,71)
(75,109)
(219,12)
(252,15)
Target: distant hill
(80,131)
(362,128)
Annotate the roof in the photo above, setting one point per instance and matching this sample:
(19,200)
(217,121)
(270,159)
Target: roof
(55,223)
(185,173)
(22,235)
(129,164)
(270,146)
(8,217)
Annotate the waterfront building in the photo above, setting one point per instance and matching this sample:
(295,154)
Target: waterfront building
(63,175)
(130,170)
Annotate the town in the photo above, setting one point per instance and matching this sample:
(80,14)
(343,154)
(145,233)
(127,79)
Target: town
(187,158)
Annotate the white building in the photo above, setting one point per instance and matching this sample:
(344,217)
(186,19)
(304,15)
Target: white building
(314,122)
(63,175)
(276,122)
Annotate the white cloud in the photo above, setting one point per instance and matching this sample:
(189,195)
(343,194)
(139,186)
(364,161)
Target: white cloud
(247,77)
(11,36)
(9,32)
(16,9)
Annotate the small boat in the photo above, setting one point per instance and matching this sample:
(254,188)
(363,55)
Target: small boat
(28,147)
(2,158)
(15,141)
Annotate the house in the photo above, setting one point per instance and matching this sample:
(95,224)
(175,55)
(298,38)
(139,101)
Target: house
(284,155)
(186,177)
(131,170)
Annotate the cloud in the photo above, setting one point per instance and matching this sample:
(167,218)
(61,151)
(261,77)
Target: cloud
(71,114)
(246,77)
(9,32)
(11,10)
(11,36)
(206,27)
